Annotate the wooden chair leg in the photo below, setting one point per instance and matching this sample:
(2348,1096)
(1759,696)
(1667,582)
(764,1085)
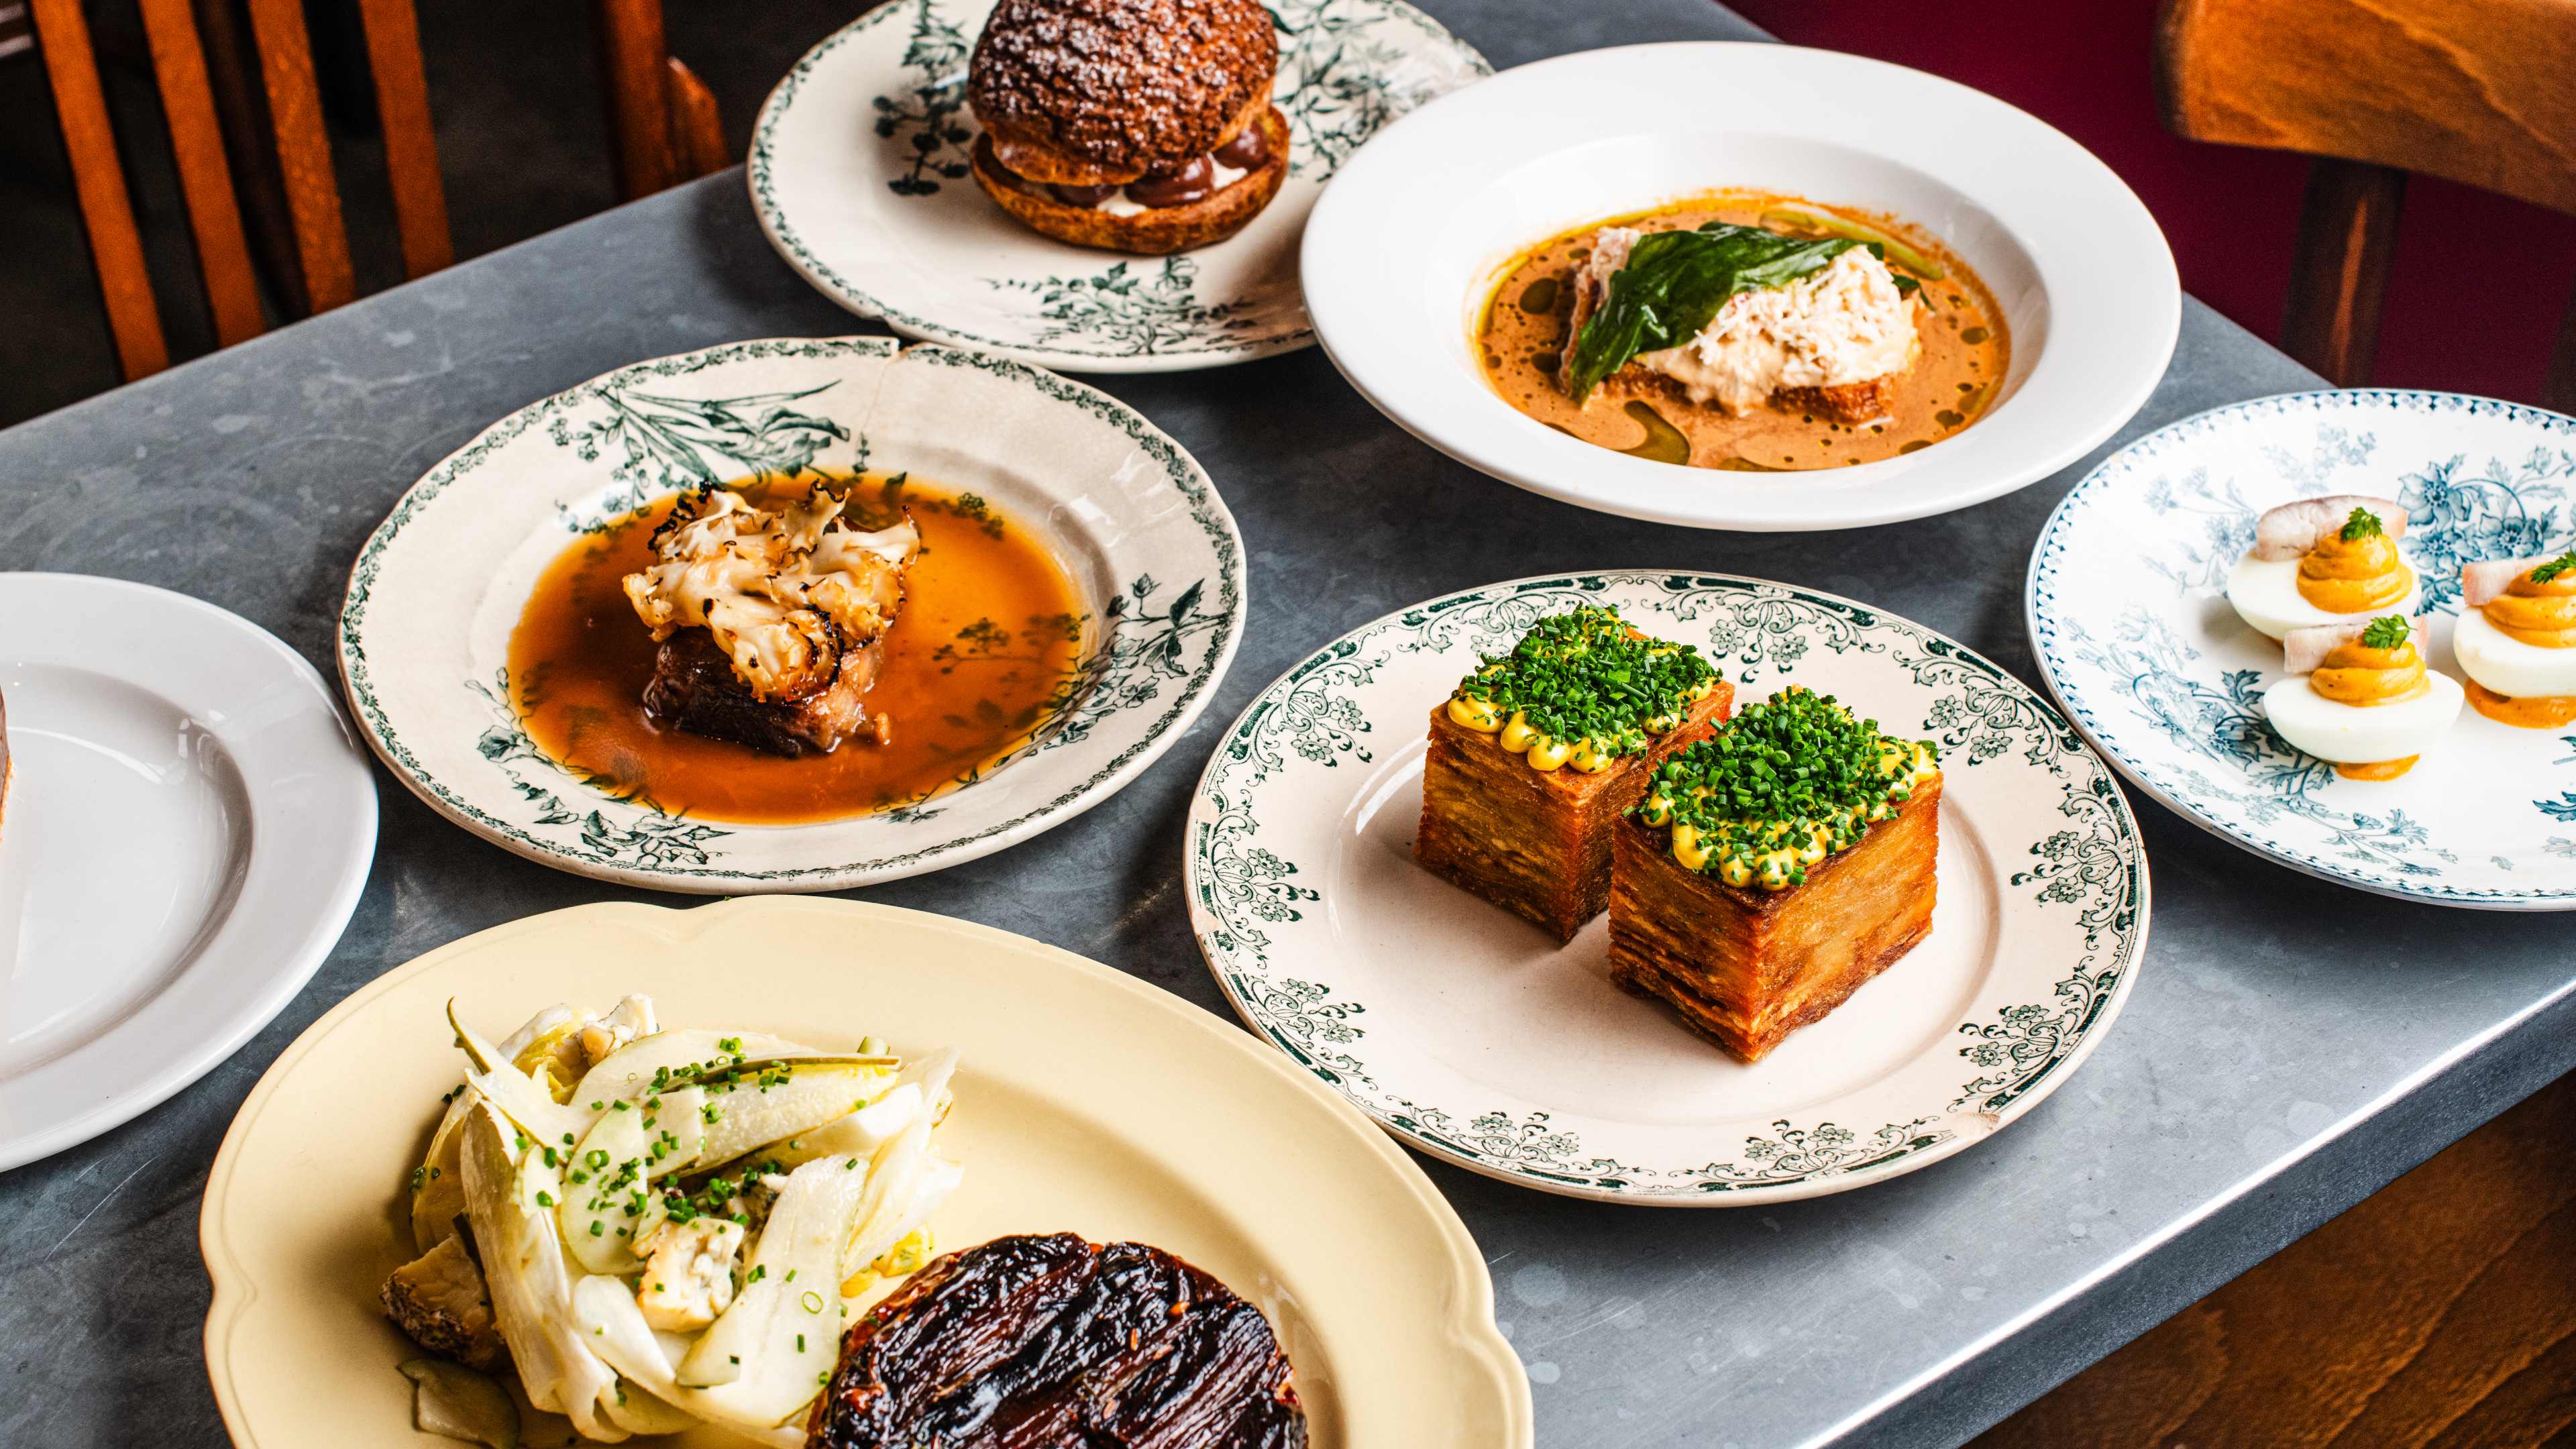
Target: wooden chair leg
(107,211)
(630,62)
(304,152)
(205,176)
(411,151)
(2558,393)
(697,133)
(2347,237)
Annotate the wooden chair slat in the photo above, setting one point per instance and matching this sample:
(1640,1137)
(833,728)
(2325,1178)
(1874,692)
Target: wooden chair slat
(107,212)
(303,152)
(697,132)
(639,118)
(2347,240)
(2478,91)
(411,147)
(205,176)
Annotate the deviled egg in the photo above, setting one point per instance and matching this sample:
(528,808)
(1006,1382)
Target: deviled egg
(2360,697)
(2324,561)
(2517,639)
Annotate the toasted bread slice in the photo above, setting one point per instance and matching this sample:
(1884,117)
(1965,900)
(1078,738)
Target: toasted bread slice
(1156,231)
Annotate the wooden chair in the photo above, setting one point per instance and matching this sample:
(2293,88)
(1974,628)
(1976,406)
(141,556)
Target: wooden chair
(662,121)
(2475,91)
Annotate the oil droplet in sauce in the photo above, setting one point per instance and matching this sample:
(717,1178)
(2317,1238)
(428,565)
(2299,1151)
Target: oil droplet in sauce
(1540,296)
(1664,443)
(984,652)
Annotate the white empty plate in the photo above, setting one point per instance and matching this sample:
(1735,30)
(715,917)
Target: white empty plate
(187,827)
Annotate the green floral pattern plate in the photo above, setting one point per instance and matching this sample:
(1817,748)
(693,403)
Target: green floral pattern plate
(858,170)
(1471,1035)
(425,630)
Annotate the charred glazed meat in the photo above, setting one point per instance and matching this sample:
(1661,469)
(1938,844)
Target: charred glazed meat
(1056,1343)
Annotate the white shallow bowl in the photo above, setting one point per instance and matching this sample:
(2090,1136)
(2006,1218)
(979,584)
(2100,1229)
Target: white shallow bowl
(1402,251)
(858,172)
(1472,1035)
(189,824)
(2130,622)
(1150,548)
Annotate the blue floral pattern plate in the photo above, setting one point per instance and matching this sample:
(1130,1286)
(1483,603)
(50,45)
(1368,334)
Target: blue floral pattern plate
(2130,621)
(425,630)
(858,170)
(1473,1036)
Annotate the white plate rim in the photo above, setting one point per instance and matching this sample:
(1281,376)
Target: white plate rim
(345,797)
(2125,957)
(1459,416)
(1205,506)
(2046,659)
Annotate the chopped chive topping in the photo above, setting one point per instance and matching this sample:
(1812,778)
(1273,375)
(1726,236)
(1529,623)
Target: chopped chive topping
(2361,523)
(2385,632)
(813,1301)
(1585,675)
(2554,567)
(1783,784)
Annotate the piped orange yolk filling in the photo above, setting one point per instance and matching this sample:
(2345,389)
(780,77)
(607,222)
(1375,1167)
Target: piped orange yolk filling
(2354,673)
(2538,614)
(2353,575)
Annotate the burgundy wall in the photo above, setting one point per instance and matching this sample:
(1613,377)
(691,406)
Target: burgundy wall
(2481,281)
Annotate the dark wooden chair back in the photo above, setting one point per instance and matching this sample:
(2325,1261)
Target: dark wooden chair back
(2476,91)
(662,119)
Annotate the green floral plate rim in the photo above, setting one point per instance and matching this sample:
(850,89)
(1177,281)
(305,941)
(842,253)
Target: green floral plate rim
(858,172)
(1476,1039)
(432,598)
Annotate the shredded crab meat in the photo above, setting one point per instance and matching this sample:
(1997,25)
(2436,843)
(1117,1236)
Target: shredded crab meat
(785,592)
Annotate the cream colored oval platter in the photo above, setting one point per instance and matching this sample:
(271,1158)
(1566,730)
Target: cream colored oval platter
(1087,1101)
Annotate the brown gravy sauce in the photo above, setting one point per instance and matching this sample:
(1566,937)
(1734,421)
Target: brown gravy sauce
(1522,330)
(983,653)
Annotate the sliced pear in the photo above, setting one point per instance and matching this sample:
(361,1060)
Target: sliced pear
(769,1352)
(857,1134)
(629,1070)
(745,1115)
(611,1323)
(610,1199)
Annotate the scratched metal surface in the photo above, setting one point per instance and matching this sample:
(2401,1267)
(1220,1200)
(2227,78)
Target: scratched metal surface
(2290,1046)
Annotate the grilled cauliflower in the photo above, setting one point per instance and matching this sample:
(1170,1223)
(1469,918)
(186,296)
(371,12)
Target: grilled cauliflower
(784,592)
(439,1301)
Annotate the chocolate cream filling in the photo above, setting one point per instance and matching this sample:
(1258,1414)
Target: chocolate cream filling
(1196,181)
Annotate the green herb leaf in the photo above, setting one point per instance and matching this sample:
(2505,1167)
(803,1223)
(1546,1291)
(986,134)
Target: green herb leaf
(1674,284)
(2554,567)
(2387,631)
(2361,524)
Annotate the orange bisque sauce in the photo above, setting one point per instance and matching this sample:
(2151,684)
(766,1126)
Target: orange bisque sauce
(2352,576)
(2538,614)
(983,652)
(2356,674)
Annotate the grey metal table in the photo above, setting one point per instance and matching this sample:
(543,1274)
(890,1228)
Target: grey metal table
(2290,1047)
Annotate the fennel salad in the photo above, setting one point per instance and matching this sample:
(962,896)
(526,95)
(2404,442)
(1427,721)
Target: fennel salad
(656,1229)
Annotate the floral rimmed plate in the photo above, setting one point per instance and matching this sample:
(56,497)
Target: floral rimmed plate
(1471,1035)
(1087,1101)
(2130,621)
(858,170)
(1148,545)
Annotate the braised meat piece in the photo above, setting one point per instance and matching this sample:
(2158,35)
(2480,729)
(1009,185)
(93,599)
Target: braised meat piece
(695,688)
(1055,1343)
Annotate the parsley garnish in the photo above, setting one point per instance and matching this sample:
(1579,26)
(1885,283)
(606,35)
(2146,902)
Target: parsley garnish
(2554,567)
(2390,630)
(2361,523)
(1586,676)
(1793,773)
